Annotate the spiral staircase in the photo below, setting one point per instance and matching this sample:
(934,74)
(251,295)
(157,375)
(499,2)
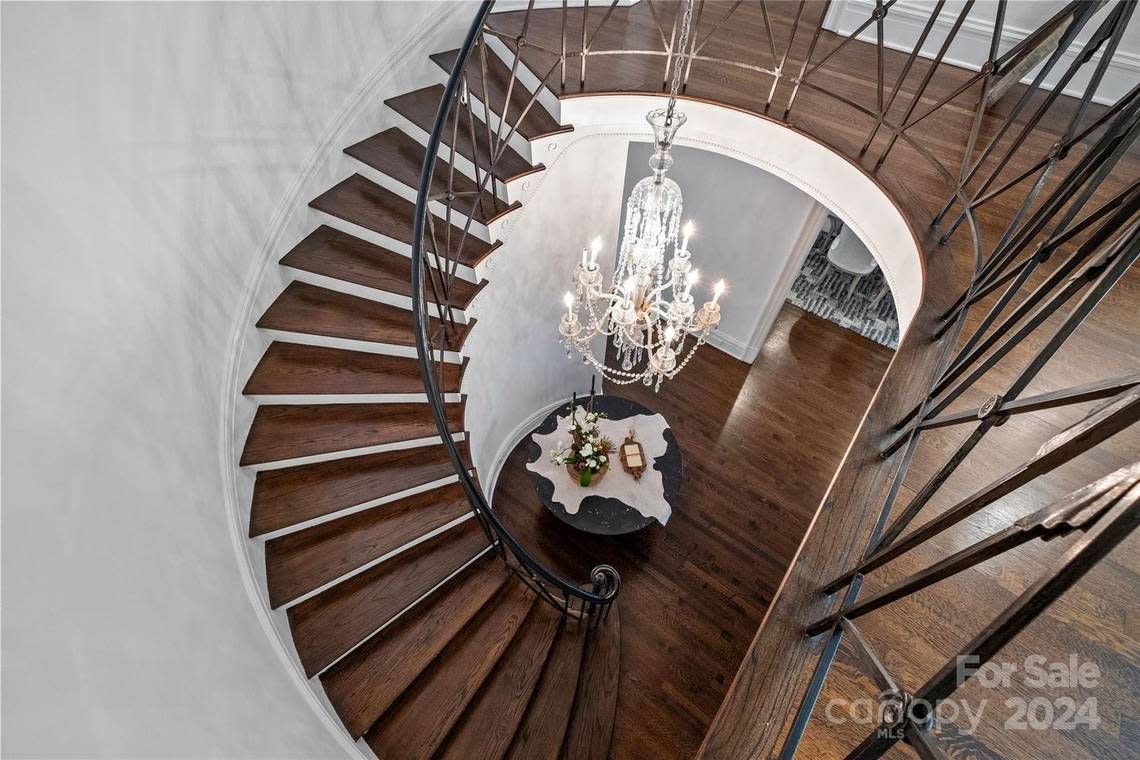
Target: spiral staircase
(424,641)
(430,629)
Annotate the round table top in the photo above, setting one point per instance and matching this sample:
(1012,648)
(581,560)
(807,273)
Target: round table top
(603,515)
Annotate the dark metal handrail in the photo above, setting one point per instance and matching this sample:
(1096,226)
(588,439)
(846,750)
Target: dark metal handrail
(605,583)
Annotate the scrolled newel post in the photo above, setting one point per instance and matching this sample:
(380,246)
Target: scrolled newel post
(607,583)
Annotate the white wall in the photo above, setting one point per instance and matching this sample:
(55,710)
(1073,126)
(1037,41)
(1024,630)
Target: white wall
(906,19)
(750,230)
(150,155)
(518,367)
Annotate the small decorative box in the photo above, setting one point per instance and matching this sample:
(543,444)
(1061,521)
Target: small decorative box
(632,456)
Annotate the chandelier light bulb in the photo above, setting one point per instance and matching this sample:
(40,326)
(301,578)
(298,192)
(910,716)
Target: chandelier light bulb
(688,233)
(595,248)
(585,256)
(568,299)
(670,333)
(718,290)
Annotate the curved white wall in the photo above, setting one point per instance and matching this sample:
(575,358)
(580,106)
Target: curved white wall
(518,369)
(153,154)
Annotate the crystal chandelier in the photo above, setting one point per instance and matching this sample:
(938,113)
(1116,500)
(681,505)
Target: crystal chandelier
(648,308)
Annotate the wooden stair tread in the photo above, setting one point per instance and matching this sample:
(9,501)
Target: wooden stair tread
(312,310)
(419,107)
(540,734)
(367,682)
(292,495)
(333,253)
(395,153)
(297,563)
(418,723)
(289,431)
(485,730)
(537,123)
(327,625)
(595,704)
(363,202)
(290,369)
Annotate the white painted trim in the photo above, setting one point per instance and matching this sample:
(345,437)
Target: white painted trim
(904,24)
(363,748)
(229,446)
(745,352)
(329,456)
(792,266)
(509,443)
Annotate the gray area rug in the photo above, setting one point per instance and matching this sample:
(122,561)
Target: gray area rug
(863,304)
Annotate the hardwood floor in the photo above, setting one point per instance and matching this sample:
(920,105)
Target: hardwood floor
(760,445)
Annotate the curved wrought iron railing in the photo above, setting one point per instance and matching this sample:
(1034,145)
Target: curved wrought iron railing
(1064,193)
(432,343)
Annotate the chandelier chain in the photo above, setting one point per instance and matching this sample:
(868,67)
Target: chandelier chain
(679,60)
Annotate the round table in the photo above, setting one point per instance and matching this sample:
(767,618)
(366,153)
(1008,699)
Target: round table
(603,515)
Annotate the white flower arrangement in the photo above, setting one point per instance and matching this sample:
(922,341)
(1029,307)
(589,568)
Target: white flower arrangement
(588,452)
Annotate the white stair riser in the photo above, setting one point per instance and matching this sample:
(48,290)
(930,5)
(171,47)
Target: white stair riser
(309,399)
(509,191)
(365,505)
(346,453)
(521,145)
(529,79)
(363,291)
(439,209)
(325,341)
(395,246)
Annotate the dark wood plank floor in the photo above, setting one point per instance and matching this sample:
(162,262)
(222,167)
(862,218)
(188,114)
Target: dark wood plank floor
(760,445)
